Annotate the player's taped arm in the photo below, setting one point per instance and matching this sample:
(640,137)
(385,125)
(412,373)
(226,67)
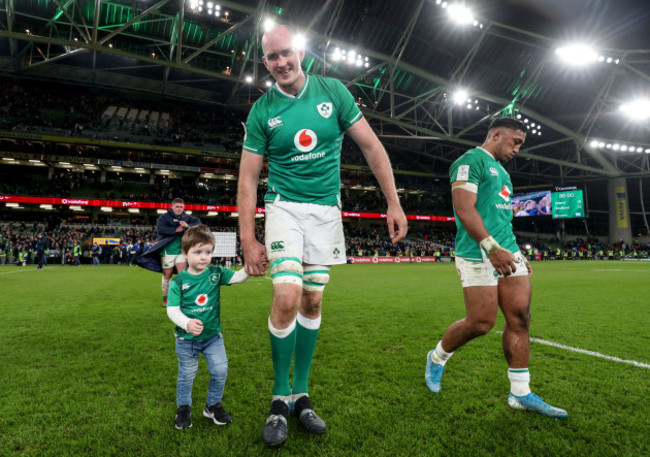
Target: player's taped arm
(239,277)
(490,245)
(177,317)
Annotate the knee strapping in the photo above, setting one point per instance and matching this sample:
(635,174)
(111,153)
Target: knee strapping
(315,277)
(286,270)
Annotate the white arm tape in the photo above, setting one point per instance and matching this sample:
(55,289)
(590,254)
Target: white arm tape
(468,186)
(490,245)
(177,316)
(239,277)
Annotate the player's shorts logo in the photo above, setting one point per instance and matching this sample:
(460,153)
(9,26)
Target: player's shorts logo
(201,300)
(277,245)
(325,109)
(305,140)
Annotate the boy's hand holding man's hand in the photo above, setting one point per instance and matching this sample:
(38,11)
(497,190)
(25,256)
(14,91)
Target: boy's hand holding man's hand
(195,327)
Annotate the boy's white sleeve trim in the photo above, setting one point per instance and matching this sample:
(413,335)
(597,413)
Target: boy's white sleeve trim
(239,277)
(177,316)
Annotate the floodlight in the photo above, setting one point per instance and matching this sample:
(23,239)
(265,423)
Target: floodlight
(637,110)
(601,144)
(460,14)
(459,96)
(639,149)
(299,41)
(623,148)
(616,147)
(577,54)
(268,24)
(593,144)
(249,79)
(268,83)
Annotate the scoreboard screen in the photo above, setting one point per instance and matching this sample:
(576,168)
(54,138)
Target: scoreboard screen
(568,204)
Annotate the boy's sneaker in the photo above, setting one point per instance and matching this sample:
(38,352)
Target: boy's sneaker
(217,414)
(433,374)
(308,418)
(275,431)
(183,417)
(532,402)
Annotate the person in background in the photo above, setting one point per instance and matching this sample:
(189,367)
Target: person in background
(41,247)
(166,255)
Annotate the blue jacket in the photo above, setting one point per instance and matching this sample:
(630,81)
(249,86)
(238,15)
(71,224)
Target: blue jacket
(41,244)
(166,228)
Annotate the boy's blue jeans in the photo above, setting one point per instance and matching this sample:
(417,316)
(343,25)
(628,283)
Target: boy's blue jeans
(188,352)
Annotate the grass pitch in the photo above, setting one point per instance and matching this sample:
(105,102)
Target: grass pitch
(88,366)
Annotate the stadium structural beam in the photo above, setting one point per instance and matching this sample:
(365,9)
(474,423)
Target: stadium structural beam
(215,39)
(84,35)
(126,25)
(470,143)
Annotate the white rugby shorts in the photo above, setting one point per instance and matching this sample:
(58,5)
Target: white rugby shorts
(170,261)
(310,232)
(483,273)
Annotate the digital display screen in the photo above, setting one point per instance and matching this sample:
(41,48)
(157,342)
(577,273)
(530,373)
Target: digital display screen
(532,204)
(568,204)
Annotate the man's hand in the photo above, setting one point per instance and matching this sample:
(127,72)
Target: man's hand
(183,224)
(503,261)
(179,228)
(195,327)
(395,217)
(255,261)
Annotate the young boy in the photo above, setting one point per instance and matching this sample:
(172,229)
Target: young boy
(194,305)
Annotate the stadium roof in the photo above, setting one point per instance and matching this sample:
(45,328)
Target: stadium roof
(413,60)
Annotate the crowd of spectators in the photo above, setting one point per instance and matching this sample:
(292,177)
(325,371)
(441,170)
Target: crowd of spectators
(18,244)
(79,111)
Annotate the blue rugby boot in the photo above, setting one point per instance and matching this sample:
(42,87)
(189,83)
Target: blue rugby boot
(532,402)
(433,373)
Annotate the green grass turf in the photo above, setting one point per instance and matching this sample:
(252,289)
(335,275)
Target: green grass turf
(88,366)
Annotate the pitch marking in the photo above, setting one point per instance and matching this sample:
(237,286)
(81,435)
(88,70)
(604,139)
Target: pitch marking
(592,353)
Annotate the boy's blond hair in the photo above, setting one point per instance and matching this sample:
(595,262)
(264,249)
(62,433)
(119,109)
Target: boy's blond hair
(199,234)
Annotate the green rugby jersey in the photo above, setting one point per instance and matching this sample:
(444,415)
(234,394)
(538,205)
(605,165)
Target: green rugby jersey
(477,166)
(301,137)
(173,248)
(199,298)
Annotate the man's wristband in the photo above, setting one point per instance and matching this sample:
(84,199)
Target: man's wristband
(490,245)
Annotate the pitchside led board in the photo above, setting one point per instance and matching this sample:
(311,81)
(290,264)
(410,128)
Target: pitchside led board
(225,244)
(563,204)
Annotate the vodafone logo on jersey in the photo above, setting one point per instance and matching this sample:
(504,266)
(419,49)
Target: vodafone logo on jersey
(305,140)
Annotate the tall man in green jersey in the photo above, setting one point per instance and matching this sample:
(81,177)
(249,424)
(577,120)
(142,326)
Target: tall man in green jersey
(299,125)
(492,271)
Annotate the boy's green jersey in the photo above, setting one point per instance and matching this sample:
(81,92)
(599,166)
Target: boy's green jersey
(477,166)
(199,298)
(301,137)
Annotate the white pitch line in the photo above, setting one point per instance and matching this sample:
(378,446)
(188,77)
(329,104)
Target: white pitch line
(592,353)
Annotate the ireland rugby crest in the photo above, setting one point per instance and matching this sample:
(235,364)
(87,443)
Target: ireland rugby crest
(325,109)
